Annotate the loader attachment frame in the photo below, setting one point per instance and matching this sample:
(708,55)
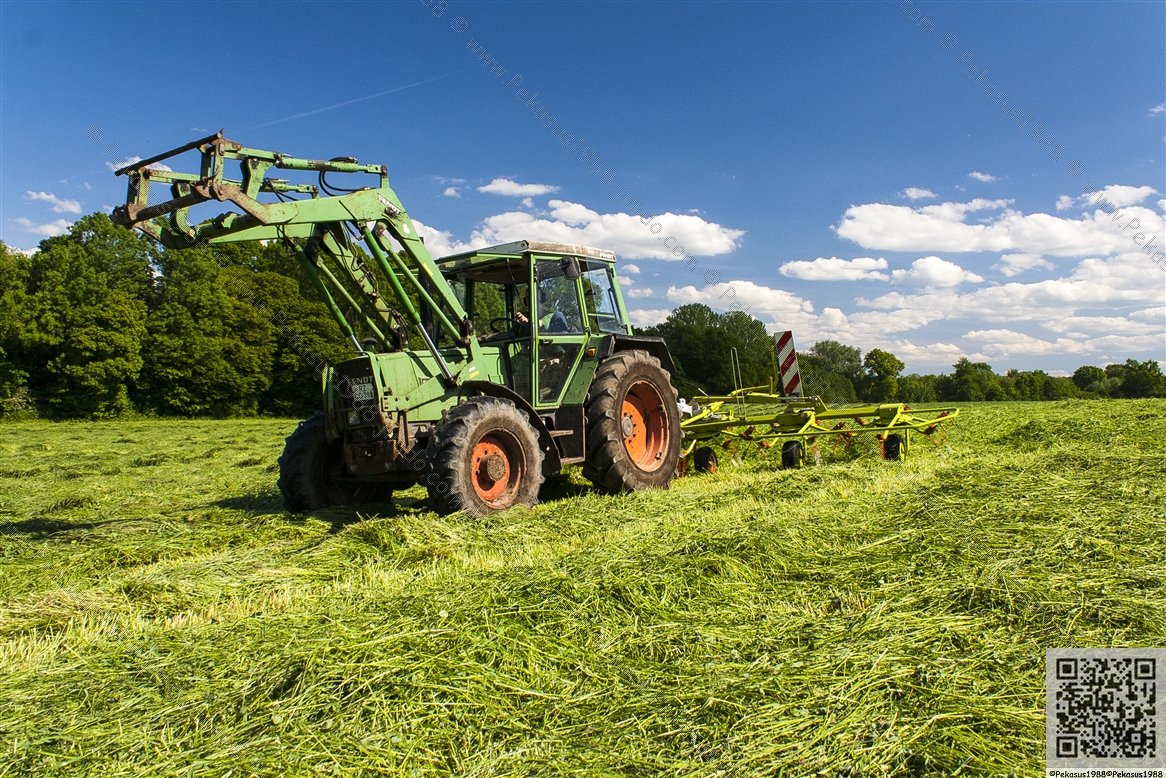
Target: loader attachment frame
(325,230)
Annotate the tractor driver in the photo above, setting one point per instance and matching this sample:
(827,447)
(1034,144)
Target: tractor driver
(553,321)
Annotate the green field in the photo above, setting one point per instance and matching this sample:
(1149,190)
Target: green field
(161,616)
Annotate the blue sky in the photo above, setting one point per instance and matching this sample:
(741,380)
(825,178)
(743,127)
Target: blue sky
(844,170)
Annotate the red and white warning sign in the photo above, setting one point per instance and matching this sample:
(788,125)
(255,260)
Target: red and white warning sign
(787,364)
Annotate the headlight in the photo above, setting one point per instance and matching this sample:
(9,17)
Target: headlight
(353,418)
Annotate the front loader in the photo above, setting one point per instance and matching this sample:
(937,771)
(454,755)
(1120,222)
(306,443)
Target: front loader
(526,360)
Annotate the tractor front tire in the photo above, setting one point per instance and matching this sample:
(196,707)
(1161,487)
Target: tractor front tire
(310,468)
(483,457)
(633,424)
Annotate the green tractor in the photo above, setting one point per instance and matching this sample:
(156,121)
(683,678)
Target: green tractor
(527,362)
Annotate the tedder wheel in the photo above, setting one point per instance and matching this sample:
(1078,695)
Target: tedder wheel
(893,447)
(704,459)
(633,424)
(483,457)
(791,453)
(310,470)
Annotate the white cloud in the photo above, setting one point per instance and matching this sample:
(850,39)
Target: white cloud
(1159,108)
(648,317)
(896,321)
(634,293)
(984,177)
(629,269)
(943,227)
(625,234)
(1064,202)
(759,300)
(1015,264)
(441,243)
(1007,343)
(1120,196)
(58,205)
(1082,326)
(916,193)
(58,227)
(118,164)
(1154,315)
(835,269)
(451,191)
(933,271)
(528,202)
(1094,283)
(507,187)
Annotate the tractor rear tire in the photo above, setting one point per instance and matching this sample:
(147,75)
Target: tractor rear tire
(791,453)
(310,468)
(483,458)
(633,424)
(704,459)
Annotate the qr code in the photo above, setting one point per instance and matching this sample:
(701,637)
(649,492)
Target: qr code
(1102,708)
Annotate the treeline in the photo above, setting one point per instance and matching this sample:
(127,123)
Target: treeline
(702,341)
(102,322)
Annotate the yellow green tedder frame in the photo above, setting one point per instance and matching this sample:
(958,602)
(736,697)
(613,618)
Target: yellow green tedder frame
(797,423)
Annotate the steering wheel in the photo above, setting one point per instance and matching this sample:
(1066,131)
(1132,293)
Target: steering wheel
(502,324)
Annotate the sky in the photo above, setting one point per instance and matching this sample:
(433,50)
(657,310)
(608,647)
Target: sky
(937,179)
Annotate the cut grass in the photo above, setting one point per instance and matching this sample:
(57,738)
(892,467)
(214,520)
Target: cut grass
(161,615)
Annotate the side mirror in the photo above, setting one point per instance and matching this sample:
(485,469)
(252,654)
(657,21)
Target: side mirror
(570,268)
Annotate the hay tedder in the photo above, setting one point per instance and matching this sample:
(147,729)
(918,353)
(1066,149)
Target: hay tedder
(489,371)
(778,415)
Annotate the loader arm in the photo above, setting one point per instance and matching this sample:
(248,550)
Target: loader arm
(323,229)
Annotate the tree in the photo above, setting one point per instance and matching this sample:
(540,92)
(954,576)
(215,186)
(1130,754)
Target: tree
(210,351)
(85,318)
(880,376)
(831,370)
(1140,379)
(14,268)
(1060,388)
(833,388)
(306,339)
(1087,375)
(916,388)
(974,382)
(701,342)
(837,358)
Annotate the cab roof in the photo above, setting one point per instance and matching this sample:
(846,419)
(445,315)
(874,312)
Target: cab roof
(467,259)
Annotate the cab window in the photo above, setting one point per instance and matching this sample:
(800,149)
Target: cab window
(599,295)
(558,302)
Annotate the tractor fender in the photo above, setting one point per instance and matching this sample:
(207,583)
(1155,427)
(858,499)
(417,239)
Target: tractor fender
(551,461)
(654,346)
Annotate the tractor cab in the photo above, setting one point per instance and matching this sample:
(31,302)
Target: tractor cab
(545,307)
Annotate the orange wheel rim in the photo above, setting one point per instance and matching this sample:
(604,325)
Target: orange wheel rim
(644,426)
(496,469)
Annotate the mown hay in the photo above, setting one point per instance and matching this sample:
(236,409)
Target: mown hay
(859,618)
